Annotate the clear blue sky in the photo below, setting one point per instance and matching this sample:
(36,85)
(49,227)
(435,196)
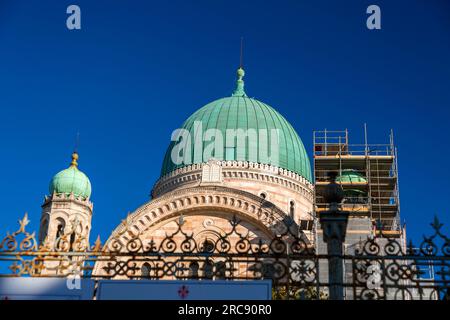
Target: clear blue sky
(137,69)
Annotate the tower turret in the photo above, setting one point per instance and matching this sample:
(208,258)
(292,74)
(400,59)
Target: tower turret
(67,208)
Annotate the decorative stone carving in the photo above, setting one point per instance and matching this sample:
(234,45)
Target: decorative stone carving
(210,198)
(211,173)
(192,176)
(207,223)
(68,209)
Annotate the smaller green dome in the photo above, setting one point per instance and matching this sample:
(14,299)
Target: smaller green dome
(354,193)
(71,180)
(350,176)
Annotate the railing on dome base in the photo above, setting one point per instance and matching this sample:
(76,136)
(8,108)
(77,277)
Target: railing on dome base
(376,270)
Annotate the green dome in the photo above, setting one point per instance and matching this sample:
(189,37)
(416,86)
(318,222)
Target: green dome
(350,176)
(354,193)
(241,112)
(71,180)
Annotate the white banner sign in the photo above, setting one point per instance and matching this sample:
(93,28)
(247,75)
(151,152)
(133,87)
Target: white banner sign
(26,288)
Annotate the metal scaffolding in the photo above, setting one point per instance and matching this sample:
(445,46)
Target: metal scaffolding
(368,174)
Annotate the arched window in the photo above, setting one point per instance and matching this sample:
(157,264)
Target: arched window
(43,231)
(268,270)
(220,270)
(72,240)
(208,269)
(77,231)
(145,270)
(291,209)
(61,224)
(193,270)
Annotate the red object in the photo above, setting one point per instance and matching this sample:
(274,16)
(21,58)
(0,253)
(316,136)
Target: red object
(183,292)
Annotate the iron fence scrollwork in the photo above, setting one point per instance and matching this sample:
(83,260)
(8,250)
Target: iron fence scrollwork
(378,269)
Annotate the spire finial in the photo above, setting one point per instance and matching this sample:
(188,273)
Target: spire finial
(239,91)
(241,58)
(77,141)
(74,162)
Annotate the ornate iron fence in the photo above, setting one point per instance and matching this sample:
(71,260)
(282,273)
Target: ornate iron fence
(379,268)
(386,270)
